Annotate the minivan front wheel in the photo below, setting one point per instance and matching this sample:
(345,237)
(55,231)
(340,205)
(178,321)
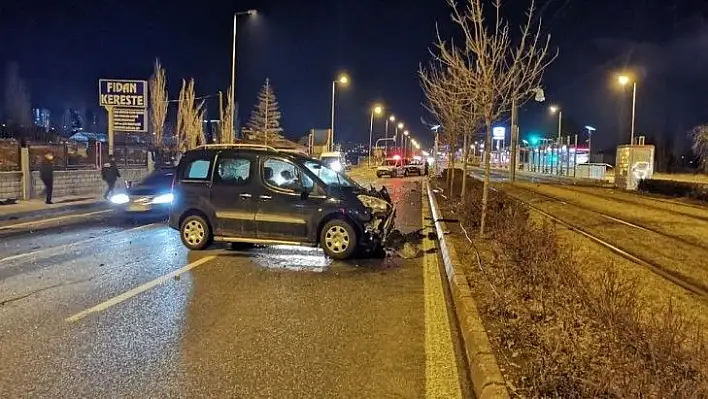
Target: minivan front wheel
(338,239)
(195,233)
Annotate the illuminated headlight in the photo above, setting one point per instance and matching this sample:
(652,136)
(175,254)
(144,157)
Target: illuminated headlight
(336,166)
(375,204)
(120,199)
(163,199)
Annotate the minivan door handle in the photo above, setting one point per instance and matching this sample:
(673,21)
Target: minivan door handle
(245,195)
(265,197)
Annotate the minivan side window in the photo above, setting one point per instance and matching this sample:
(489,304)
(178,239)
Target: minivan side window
(197,169)
(232,171)
(285,176)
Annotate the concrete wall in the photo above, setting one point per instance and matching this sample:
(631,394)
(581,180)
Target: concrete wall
(82,182)
(66,183)
(10,185)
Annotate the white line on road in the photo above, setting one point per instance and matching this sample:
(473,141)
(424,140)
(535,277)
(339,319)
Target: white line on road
(138,290)
(54,219)
(73,244)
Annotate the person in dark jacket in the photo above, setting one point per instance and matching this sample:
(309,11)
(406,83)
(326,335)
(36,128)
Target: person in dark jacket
(110,174)
(46,173)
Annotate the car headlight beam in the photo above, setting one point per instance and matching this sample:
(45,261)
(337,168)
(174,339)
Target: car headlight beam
(163,199)
(120,199)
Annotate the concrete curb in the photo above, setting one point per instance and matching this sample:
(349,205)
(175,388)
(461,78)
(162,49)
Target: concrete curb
(38,214)
(487,380)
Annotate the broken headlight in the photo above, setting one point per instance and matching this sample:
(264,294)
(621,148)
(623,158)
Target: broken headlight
(373,203)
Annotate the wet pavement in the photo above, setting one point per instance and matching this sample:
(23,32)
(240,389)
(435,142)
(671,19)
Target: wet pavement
(104,306)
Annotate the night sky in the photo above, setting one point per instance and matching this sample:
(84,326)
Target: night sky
(63,48)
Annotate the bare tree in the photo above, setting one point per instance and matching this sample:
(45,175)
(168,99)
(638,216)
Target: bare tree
(158,103)
(265,118)
(190,115)
(226,131)
(18,109)
(495,71)
(444,102)
(699,144)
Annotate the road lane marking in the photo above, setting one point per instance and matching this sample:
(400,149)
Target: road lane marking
(59,248)
(138,290)
(54,219)
(441,370)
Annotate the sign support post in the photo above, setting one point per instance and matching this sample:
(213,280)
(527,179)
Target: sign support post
(111,133)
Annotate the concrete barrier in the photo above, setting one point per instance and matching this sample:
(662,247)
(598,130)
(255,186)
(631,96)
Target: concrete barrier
(485,374)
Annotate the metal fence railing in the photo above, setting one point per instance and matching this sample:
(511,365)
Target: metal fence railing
(72,155)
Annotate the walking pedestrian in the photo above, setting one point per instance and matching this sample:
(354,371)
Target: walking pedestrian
(110,175)
(46,173)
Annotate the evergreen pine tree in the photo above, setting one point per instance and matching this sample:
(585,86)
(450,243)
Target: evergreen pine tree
(265,117)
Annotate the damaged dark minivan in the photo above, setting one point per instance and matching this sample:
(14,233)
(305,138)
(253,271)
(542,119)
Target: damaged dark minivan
(253,194)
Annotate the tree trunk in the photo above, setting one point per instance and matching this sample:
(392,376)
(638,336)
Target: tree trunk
(487,172)
(465,155)
(452,172)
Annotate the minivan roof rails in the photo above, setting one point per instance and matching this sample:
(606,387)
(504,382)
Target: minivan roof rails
(236,145)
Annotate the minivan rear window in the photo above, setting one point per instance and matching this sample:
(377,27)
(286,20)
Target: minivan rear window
(197,169)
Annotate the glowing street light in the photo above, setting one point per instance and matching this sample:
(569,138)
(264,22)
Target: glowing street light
(624,80)
(392,119)
(343,79)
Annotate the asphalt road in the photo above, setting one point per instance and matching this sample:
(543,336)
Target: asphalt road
(98,306)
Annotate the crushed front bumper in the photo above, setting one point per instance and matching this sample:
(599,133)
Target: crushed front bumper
(377,230)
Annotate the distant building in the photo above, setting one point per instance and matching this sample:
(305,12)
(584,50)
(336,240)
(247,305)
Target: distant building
(40,117)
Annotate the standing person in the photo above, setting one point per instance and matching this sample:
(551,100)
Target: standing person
(426,167)
(110,174)
(46,173)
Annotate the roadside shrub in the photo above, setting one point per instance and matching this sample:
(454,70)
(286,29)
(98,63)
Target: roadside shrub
(561,332)
(674,188)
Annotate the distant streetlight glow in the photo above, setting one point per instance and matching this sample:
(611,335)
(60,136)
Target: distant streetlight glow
(623,80)
(392,118)
(378,109)
(400,125)
(343,79)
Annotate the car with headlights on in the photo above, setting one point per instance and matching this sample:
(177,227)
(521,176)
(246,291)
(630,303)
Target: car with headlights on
(151,195)
(254,194)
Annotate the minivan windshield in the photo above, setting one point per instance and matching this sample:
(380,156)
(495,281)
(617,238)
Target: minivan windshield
(328,176)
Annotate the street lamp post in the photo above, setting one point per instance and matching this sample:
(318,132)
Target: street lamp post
(399,126)
(590,130)
(404,143)
(375,110)
(555,109)
(343,79)
(624,80)
(392,119)
(233,63)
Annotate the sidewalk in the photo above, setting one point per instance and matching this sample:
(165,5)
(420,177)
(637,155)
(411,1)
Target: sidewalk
(36,208)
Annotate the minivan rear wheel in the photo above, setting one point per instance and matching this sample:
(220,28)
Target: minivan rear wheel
(195,233)
(338,239)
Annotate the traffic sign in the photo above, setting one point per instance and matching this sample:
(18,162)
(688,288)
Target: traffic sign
(129,120)
(123,93)
(498,133)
